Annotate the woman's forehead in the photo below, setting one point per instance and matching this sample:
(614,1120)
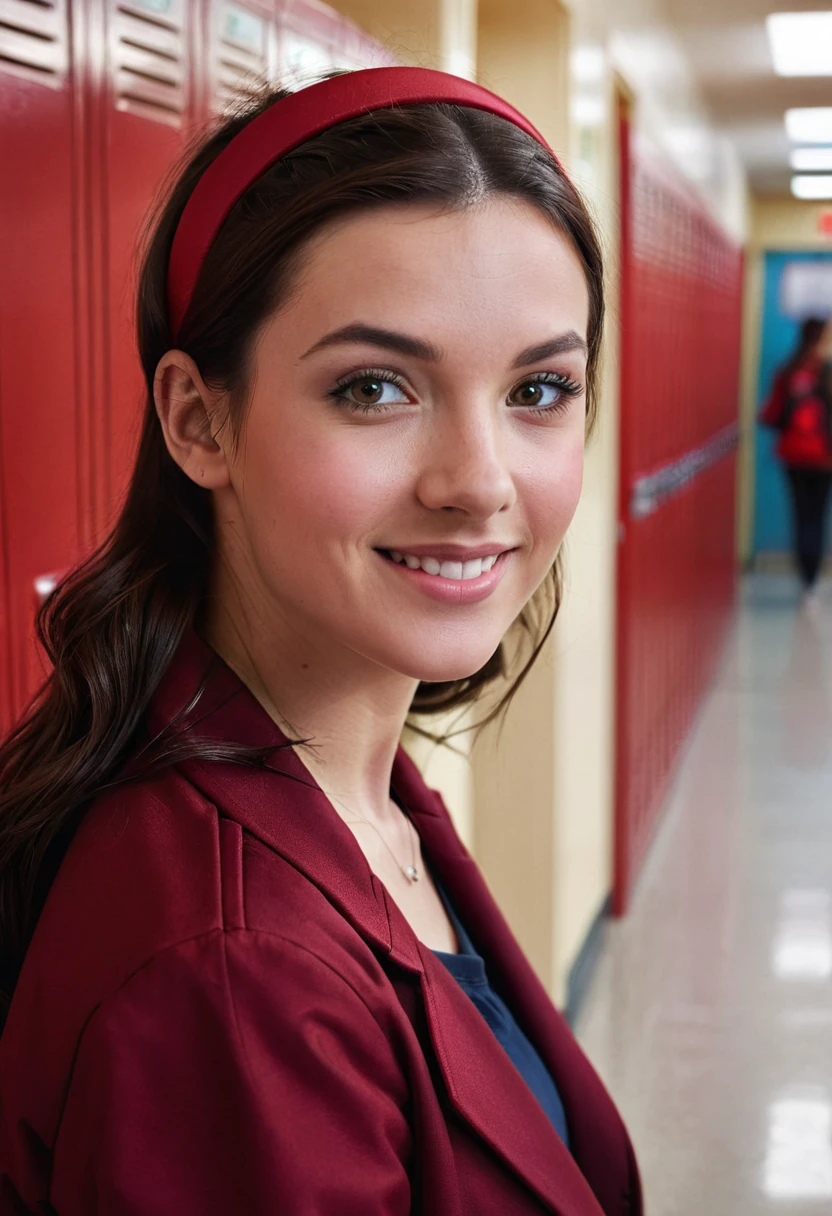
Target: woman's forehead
(497,263)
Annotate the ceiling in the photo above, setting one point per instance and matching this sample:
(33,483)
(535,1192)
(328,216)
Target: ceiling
(728,48)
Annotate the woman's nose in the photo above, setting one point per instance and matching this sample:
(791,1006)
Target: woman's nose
(465,467)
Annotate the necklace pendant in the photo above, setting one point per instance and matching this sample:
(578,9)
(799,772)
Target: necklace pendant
(411,873)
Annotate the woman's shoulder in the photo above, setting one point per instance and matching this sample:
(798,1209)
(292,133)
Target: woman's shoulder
(159,892)
(140,875)
(155,865)
(145,972)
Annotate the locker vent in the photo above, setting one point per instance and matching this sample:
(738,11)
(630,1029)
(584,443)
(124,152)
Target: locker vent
(149,60)
(33,40)
(241,64)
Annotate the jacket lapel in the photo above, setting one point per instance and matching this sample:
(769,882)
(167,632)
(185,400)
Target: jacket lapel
(285,808)
(487,1091)
(290,813)
(598,1138)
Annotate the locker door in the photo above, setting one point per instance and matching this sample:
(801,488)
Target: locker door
(783,312)
(144,116)
(243,51)
(6,680)
(39,358)
(315,38)
(680,317)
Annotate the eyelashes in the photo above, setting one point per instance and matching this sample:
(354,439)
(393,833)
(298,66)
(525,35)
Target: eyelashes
(566,390)
(372,381)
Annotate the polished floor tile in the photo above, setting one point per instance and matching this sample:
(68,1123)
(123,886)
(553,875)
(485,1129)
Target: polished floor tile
(710,1012)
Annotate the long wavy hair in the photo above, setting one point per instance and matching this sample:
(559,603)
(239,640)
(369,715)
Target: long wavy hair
(111,627)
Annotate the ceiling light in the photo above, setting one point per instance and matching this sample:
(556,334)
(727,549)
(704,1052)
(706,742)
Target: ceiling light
(811,160)
(587,111)
(801,43)
(810,126)
(588,64)
(819,186)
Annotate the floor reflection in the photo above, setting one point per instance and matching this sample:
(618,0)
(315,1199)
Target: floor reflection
(710,1013)
(802,948)
(804,700)
(798,1161)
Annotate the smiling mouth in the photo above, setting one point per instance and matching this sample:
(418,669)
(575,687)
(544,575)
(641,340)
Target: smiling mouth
(456,571)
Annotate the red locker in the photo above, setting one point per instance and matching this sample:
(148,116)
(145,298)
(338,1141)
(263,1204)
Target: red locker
(313,38)
(97,101)
(241,51)
(681,302)
(137,123)
(40,360)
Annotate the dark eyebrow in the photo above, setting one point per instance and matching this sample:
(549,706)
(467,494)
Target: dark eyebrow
(561,345)
(385,338)
(416,348)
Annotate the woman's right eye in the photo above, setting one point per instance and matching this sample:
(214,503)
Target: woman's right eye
(370,392)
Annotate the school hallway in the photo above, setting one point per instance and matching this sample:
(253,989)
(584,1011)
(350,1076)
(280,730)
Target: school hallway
(710,1011)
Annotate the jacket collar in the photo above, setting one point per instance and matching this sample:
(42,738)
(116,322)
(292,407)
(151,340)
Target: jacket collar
(289,812)
(284,808)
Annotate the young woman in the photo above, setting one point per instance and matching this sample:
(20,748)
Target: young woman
(799,408)
(252,968)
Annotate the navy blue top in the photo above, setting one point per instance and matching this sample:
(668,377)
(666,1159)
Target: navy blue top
(468,969)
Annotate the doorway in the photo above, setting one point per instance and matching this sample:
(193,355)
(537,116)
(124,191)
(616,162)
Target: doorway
(796,285)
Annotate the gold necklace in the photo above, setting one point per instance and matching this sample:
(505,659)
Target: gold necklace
(410,872)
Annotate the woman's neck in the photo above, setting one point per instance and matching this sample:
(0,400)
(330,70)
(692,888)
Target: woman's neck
(352,712)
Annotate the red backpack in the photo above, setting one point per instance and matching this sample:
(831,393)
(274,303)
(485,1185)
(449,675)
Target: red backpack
(800,410)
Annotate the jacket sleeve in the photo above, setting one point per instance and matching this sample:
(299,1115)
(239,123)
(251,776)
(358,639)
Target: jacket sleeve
(237,1073)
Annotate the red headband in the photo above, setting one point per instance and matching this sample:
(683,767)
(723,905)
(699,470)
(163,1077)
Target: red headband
(289,123)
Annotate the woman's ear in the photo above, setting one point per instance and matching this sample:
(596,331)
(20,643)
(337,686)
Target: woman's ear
(188,411)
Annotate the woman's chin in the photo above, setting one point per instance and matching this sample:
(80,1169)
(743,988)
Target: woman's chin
(448,669)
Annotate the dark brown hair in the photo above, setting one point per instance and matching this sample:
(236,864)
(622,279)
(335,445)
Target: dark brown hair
(111,628)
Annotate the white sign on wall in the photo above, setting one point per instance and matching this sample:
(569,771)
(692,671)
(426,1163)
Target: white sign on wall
(806,289)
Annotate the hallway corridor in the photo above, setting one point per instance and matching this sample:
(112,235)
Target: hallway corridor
(710,1013)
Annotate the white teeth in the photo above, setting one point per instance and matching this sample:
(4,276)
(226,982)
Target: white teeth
(458,571)
(451,570)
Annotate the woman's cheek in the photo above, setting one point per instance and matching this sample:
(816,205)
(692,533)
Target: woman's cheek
(554,495)
(331,496)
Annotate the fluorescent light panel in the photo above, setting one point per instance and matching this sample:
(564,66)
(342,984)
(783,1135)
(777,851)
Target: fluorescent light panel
(811,160)
(801,43)
(814,187)
(588,64)
(810,126)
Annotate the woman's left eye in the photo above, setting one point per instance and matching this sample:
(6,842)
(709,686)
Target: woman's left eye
(545,393)
(370,392)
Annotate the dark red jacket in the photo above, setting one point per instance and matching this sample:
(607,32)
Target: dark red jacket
(223,1013)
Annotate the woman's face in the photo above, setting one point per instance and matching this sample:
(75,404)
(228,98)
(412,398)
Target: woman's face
(418,406)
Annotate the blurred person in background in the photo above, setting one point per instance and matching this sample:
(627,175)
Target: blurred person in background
(799,408)
(249,966)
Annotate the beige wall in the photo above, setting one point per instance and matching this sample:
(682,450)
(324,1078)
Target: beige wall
(536,801)
(787,223)
(642,50)
(439,34)
(428,33)
(543,800)
(523,54)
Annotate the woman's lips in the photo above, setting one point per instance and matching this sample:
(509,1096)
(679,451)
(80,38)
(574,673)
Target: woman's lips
(451,590)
